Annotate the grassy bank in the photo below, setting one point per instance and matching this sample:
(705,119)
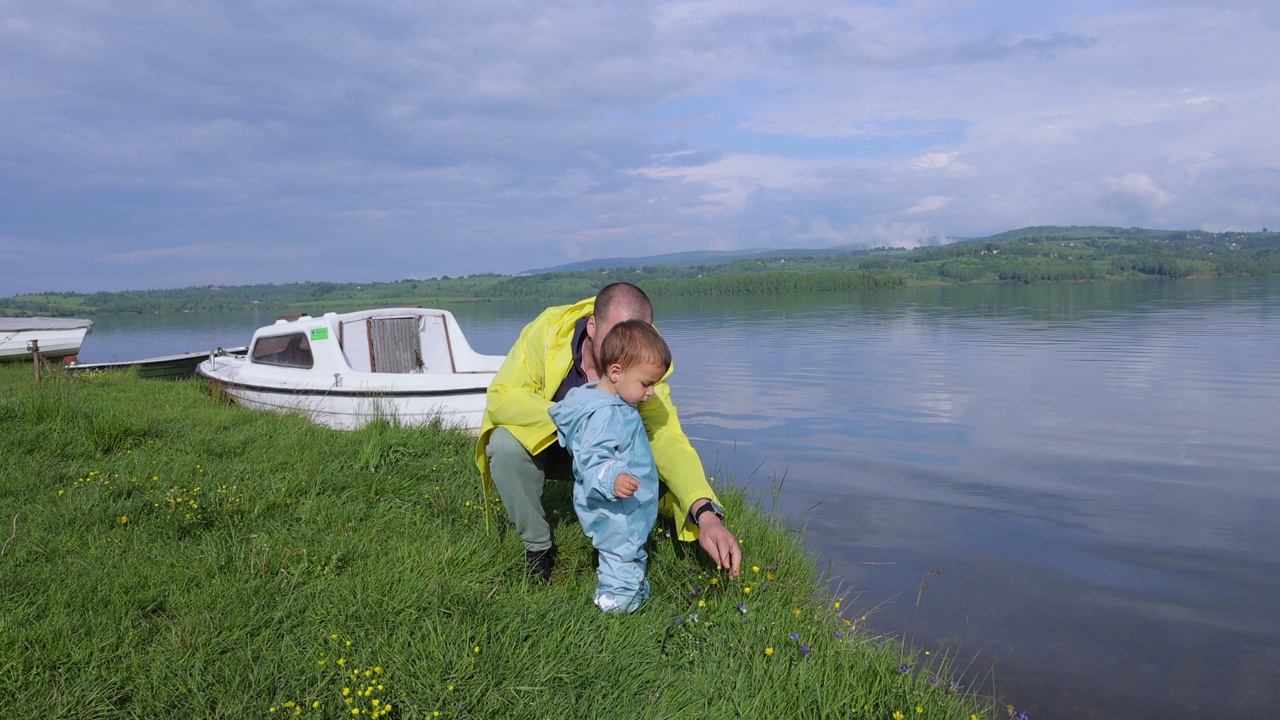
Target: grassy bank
(163,554)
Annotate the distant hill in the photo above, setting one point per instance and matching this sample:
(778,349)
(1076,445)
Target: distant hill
(709,258)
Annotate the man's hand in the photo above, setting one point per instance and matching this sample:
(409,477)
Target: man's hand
(625,486)
(719,543)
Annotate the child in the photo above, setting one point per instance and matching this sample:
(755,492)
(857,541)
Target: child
(615,491)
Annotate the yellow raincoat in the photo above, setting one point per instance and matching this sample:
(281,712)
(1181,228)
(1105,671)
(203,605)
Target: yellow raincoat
(521,393)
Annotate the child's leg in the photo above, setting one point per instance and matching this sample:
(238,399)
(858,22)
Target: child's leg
(622,586)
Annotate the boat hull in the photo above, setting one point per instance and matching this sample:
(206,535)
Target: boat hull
(167,367)
(54,343)
(462,409)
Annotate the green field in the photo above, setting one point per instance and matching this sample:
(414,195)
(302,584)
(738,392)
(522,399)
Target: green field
(166,554)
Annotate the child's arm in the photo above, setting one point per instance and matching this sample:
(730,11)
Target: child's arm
(596,460)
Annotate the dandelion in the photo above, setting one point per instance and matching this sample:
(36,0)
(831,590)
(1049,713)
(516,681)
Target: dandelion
(768,652)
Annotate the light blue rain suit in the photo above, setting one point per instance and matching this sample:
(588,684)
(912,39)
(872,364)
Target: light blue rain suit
(606,438)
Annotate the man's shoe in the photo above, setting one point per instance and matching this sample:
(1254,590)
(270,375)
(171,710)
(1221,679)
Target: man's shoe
(541,563)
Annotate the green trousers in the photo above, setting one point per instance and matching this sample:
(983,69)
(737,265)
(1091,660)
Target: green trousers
(520,477)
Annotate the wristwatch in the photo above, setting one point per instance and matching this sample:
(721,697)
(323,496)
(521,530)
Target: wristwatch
(710,506)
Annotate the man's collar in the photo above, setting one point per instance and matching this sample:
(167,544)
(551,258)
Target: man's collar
(579,334)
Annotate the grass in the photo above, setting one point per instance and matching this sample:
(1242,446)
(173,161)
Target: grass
(164,554)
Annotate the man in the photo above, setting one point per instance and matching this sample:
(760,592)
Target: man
(517,450)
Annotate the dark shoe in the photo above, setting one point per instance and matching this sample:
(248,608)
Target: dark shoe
(541,562)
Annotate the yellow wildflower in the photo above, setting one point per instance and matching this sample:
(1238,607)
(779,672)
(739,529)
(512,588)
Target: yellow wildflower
(768,651)
(702,603)
(919,709)
(342,661)
(897,715)
(746,590)
(755,568)
(796,612)
(837,606)
(476,649)
(124,519)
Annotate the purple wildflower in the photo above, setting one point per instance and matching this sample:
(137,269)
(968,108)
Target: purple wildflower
(1020,716)
(742,608)
(695,592)
(694,617)
(839,636)
(904,667)
(804,650)
(679,621)
(795,636)
(934,679)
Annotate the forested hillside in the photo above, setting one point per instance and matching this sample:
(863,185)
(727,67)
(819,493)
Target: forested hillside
(1037,254)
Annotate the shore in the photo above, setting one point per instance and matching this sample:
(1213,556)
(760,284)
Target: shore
(166,554)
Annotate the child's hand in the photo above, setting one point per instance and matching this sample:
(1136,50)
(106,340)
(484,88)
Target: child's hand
(625,486)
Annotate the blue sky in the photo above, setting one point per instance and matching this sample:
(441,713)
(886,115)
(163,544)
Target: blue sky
(170,144)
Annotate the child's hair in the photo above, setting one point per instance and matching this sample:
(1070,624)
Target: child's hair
(633,342)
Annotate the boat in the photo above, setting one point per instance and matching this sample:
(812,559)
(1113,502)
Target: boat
(57,338)
(411,366)
(164,367)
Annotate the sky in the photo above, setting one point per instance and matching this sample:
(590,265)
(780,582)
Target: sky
(172,143)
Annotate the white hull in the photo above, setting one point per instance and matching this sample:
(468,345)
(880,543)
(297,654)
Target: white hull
(54,342)
(405,365)
(351,412)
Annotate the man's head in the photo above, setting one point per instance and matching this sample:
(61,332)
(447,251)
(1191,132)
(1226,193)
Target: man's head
(615,303)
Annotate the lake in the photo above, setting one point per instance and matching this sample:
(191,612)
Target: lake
(1093,468)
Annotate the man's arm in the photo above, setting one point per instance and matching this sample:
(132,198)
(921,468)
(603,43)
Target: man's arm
(681,469)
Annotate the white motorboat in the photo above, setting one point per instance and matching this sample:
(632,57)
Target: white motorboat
(56,337)
(411,366)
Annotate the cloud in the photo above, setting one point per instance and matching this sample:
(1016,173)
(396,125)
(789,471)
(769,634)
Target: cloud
(1135,195)
(266,142)
(930,203)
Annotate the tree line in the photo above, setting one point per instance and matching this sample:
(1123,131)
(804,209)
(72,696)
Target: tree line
(1051,254)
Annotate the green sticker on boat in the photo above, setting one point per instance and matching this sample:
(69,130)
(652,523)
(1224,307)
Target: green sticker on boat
(319,333)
